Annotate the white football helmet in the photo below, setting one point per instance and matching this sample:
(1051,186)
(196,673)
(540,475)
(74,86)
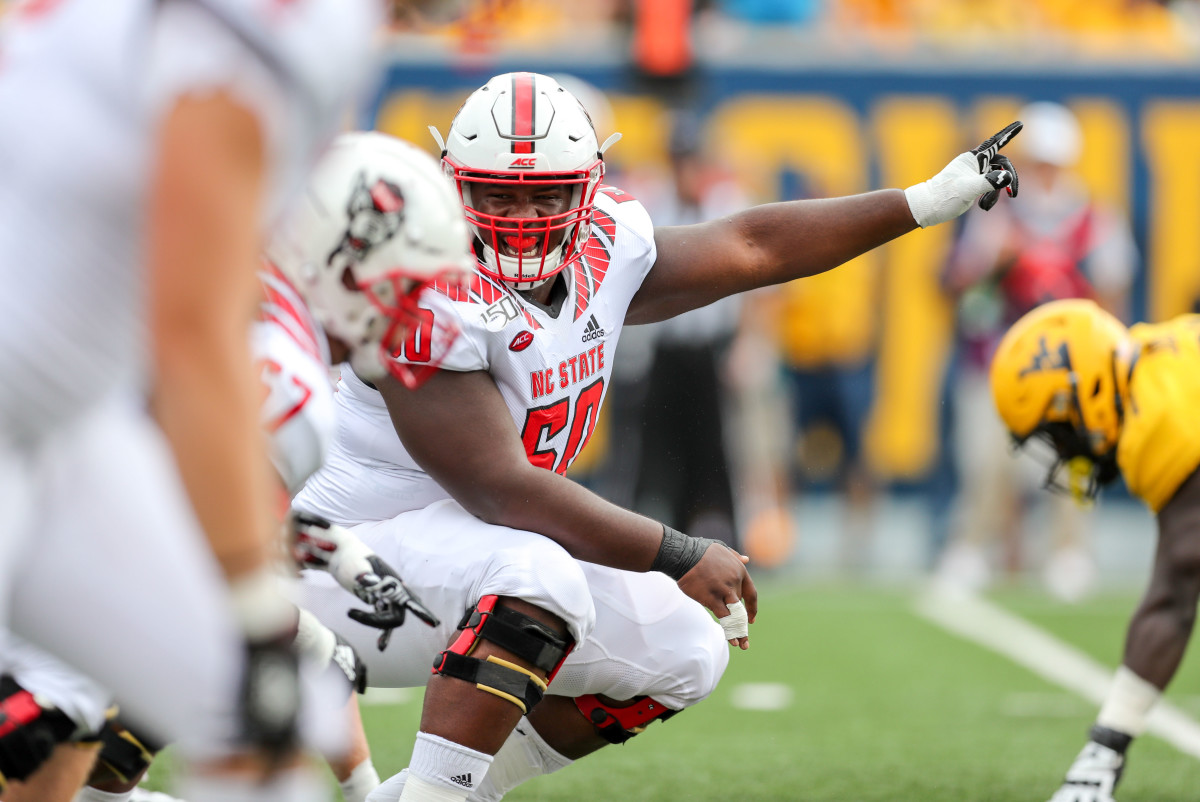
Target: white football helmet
(378,223)
(524,128)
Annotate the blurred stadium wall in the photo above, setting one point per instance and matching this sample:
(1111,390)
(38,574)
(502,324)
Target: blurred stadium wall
(850,125)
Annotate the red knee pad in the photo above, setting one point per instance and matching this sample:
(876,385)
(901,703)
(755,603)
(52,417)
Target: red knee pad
(618,724)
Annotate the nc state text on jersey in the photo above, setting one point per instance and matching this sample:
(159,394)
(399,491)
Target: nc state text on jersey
(572,370)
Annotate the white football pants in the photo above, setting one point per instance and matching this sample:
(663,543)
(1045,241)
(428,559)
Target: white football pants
(636,634)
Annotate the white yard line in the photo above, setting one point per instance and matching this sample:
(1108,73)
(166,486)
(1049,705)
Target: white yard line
(988,625)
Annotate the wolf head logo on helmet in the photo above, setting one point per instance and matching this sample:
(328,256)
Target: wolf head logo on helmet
(378,223)
(1055,378)
(524,134)
(375,216)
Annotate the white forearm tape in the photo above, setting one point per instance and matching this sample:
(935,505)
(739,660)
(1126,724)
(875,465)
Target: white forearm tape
(349,561)
(314,639)
(737,623)
(1128,703)
(260,607)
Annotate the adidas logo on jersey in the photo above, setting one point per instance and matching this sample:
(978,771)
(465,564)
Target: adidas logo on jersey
(592,330)
(462,779)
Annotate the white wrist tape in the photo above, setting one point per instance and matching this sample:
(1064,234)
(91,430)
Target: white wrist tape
(314,639)
(949,193)
(349,561)
(737,623)
(1128,703)
(260,607)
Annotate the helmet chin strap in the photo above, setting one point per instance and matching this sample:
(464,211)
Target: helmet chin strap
(511,266)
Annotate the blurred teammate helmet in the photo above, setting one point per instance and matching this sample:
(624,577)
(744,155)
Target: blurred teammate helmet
(1051,134)
(378,223)
(525,129)
(1055,379)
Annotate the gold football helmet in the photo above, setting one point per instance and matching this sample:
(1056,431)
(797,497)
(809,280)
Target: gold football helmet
(1055,379)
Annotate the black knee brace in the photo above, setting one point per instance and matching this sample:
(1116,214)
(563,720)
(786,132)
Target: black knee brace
(125,753)
(525,637)
(618,724)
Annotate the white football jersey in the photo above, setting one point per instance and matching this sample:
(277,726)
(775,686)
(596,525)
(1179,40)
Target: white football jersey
(83,86)
(293,356)
(553,370)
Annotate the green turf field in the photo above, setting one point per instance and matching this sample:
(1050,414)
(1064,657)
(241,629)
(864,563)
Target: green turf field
(885,706)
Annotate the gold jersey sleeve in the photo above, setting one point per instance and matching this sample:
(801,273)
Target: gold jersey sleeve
(1160,439)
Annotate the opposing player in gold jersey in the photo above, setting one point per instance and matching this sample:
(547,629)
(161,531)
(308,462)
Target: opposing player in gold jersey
(1110,400)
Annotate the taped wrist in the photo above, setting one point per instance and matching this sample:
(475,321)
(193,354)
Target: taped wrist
(679,553)
(515,632)
(260,606)
(331,548)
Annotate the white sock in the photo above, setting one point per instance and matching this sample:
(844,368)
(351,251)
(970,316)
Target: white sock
(524,755)
(1128,703)
(443,771)
(361,782)
(90,794)
(297,785)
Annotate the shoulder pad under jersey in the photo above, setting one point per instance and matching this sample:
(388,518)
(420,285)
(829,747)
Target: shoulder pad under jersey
(1160,437)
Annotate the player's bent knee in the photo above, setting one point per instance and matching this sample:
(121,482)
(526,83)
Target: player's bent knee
(542,573)
(533,642)
(699,661)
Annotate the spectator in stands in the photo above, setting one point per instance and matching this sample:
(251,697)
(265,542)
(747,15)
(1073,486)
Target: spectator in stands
(663,468)
(826,331)
(1054,241)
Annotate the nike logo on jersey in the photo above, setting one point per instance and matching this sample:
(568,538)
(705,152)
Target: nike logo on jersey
(572,370)
(592,330)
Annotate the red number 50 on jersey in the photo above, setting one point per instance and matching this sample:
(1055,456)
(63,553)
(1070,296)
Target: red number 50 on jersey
(544,425)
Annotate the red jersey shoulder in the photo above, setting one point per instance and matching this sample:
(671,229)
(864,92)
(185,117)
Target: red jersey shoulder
(618,195)
(498,301)
(286,395)
(591,270)
(283,306)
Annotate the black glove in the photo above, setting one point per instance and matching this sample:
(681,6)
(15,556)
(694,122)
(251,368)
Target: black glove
(270,695)
(29,731)
(346,658)
(382,588)
(998,169)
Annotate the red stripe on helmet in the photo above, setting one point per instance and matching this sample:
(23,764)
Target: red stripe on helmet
(523,110)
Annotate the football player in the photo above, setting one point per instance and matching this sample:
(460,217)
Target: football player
(570,611)
(1112,401)
(376,225)
(157,141)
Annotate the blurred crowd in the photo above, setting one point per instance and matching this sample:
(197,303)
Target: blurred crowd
(778,387)
(1121,29)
